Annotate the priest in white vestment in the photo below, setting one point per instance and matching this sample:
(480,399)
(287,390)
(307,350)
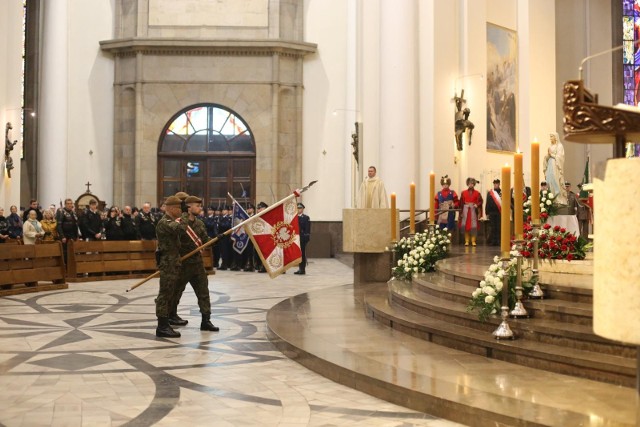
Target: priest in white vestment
(372,193)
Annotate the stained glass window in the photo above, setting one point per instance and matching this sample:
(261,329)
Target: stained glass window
(22,76)
(631,60)
(207,128)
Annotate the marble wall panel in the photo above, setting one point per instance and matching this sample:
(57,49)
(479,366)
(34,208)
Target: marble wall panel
(125,69)
(288,70)
(244,33)
(213,13)
(126,26)
(193,68)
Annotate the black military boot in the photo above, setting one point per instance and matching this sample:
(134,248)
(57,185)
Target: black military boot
(164,330)
(175,320)
(206,324)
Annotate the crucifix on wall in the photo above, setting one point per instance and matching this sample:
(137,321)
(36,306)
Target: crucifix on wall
(8,147)
(462,122)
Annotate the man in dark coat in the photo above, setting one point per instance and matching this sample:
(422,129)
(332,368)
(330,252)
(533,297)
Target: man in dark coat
(146,223)
(305,235)
(128,226)
(33,206)
(226,251)
(91,222)
(67,225)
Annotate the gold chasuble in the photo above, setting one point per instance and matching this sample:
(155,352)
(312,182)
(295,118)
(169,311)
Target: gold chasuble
(372,194)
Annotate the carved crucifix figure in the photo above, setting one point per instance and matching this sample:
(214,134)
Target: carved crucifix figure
(8,147)
(355,140)
(462,122)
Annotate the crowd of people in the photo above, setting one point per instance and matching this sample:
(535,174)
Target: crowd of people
(38,224)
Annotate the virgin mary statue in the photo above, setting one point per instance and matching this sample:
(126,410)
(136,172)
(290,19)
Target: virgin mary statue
(554,169)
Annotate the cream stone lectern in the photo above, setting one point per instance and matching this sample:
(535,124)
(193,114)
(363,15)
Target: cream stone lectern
(366,233)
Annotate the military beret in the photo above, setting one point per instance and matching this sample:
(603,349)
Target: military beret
(181,195)
(262,205)
(300,206)
(193,199)
(173,201)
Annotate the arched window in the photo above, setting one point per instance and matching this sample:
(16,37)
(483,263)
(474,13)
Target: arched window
(207,150)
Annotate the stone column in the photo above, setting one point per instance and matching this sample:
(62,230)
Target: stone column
(398,96)
(53,116)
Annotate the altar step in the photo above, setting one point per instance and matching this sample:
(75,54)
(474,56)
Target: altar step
(566,309)
(558,337)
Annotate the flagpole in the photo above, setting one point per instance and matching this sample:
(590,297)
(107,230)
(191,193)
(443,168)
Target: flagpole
(295,193)
(235,201)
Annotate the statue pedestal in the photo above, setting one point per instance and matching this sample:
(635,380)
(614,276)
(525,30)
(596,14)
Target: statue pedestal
(568,222)
(366,233)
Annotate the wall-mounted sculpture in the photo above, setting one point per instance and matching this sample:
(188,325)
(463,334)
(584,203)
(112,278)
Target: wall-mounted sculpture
(462,122)
(355,142)
(8,147)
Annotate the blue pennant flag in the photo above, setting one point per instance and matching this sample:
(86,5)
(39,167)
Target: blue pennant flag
(239,237)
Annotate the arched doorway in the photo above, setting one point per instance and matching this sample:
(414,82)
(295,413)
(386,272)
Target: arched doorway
(207,150)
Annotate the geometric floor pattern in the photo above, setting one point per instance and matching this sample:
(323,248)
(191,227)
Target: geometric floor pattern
(88,356)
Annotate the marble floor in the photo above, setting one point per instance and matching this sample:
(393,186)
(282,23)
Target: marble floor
(88,356)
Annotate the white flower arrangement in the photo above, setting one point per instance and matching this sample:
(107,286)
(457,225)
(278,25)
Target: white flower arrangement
(418,254)
(548,207)
(487,297)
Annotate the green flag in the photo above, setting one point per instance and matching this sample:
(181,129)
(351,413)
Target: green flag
(585,179)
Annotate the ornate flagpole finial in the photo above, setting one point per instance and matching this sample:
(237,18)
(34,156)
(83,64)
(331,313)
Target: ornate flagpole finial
(303,189)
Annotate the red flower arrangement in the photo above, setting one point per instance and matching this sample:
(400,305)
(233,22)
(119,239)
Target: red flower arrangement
(554,243)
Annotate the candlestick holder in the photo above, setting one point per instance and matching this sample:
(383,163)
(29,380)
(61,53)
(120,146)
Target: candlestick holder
(504,331)
(536,292)
(518,310)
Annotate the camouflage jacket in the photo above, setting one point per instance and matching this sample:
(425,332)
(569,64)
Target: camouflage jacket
(186,243)
(168,234)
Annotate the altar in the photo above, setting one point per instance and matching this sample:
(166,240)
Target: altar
(367,233)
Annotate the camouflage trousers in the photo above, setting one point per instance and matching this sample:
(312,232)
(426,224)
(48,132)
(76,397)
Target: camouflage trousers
(169,280)
(195,274)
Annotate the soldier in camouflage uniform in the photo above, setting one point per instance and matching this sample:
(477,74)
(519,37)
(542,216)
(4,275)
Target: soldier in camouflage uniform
(193,234)
(174,319)
(168,233)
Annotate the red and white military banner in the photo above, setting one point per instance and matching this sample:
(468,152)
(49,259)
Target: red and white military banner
(276,238)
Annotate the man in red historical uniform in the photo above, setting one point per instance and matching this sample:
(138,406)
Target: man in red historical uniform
(446,202)
(471,202)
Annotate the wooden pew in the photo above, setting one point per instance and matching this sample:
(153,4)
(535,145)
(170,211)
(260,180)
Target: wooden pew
(108,260)
(23,267)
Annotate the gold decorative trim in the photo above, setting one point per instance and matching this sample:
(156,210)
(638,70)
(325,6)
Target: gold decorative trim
(588,122)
